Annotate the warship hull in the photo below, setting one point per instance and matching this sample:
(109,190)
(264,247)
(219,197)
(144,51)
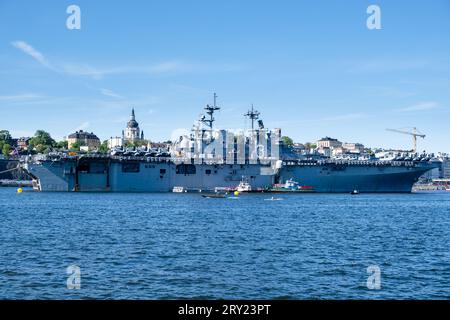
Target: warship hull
(109,174)
(112,175)
(364,177)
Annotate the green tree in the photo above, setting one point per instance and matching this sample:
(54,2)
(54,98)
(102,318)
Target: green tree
(310,145)
(42,137)
(40,148)
(62,145)
(104,147)
(287,141)
(75,146)
(141,143)
(6,149)
(42,141)
(5,135)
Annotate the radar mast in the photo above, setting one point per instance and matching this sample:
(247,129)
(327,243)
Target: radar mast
(252,115)
(210,111)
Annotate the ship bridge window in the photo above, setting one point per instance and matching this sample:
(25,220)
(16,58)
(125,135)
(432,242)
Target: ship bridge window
(130,167)
(185,169)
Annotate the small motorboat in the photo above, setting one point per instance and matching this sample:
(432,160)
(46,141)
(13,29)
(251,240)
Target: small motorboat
(354,192)
(273,199)
(214,196)
(291,186)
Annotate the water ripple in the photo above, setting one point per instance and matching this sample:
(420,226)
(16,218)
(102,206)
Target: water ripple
(169,246)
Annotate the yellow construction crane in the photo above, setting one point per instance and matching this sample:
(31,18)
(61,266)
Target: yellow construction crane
(414,134)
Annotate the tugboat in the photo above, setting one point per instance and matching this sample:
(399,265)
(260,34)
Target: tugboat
(291,186)
(244,186)
(179,189)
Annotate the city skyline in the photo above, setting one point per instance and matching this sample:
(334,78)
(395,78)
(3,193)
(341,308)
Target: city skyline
(308,70)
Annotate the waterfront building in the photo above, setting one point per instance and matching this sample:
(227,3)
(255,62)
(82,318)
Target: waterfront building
(329,146)
(337,151)
(328,142)
(115,142)
(353,147)
(89,140)
(327,152)
(22,143)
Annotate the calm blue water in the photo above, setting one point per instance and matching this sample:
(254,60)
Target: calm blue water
(165,246)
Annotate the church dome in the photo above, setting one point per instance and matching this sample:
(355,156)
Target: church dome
(132,124)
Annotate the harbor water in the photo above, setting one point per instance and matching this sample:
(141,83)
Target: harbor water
(167,246)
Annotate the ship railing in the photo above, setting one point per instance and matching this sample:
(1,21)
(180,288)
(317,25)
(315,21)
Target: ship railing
(376,163)
(187,160)
(141,158)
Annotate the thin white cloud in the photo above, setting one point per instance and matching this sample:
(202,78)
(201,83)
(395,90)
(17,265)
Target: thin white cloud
(110,93)
(164,67)
(19,97)
(89,71)
(35,54)
(422,106)
(169,66)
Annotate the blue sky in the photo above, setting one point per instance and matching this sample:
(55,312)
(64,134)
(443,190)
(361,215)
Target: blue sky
(310,67)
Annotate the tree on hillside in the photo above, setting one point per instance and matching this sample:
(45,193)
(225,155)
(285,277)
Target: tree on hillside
(140,143)
(104,147)
(309,146)
(62,145)
(43,137)
(6,149)
(42,141)
(5,135)
(287,141)
(128,144)
(75,146)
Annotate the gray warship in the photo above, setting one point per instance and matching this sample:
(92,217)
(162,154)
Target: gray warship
(207,159)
